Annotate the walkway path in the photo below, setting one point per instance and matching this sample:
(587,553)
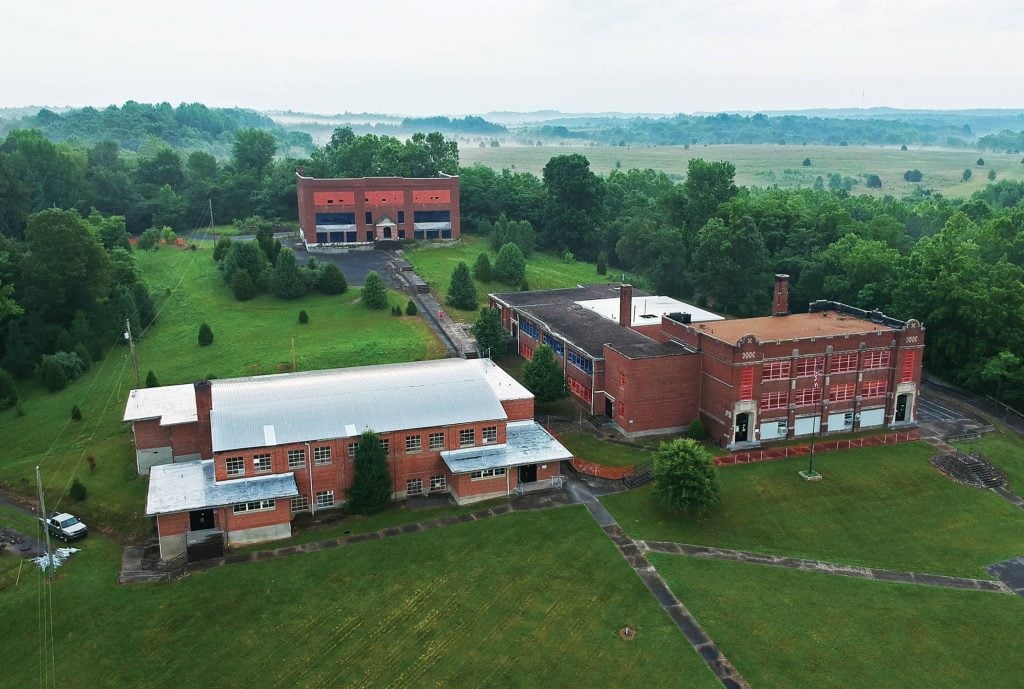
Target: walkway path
(825,567)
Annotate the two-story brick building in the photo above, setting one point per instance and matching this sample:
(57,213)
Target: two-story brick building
(244,455)
(834,369)
(352,212)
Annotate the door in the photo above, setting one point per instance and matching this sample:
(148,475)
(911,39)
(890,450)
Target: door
(609,407)
(742,424)
(528,473)
(198,520)
(901,408)
(387,233)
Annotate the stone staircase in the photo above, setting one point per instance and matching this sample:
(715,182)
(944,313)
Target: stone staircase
(970,469)
(641,474)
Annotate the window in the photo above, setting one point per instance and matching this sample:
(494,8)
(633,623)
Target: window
(322,455)
(437,483)
(300,504)
(747,383)
(413,444)
(841,393)
(401,217)
(235,466)
(810,366)
(875,388)
(261,463)
(254,506)
(807,396)
(525,351)
(352,447)
(555,345)
(386,444)
(436,441)
(324,499)
(296,459)
(844,363)
(490,435)
(467,437)
(622,379)
(528,327)
(848,420)
(775,370)
(909,360)
(621,408)
(414,486)
(878,359)
(774,400)
(487,473)
(581,362)
(369,217)
(579,389)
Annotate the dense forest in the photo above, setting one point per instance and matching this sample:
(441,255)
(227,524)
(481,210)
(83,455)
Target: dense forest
(957,265)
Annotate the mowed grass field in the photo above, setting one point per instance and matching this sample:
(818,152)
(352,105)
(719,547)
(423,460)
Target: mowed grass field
(879,507)
(435,264)
(252,337)
(523,600)
(1006,450)
(786,629)
(765,165)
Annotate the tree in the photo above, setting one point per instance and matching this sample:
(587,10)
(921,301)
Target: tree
(77,491)
(503,231)
(375,294)
(144,304)
(151,381)
(966,175)
(602,263)
(371,486)
(242,287)
(913,175)
(489,333)
(543,376)
(707,186)
(685,477)
(76,413)
(52,374)
(303,317)
(150,239)
(807,162)
(462,290)
(732,266)
(8,390)
(331,280)
(574,203)
(287,278)
(205,335)
(991,175)
(980,162)
(697,431)
(482,268)
(510,266)
(220,250)
(252,150)
(248,257)
(872,181)
(410,308)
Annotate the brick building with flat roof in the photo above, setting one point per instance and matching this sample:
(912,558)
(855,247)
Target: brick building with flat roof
(350,212)
(659,364)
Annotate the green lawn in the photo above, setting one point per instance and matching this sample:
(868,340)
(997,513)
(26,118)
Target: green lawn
(586,447)
(543,271)
(522,600)
(249,338)
(1006,450)
(766,165)
(785,629)
(880,507)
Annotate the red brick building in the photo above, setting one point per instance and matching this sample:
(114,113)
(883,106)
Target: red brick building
(345,212)
(242,456)
(834,369)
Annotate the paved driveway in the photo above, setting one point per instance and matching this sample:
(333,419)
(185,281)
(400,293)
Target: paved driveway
(354,265)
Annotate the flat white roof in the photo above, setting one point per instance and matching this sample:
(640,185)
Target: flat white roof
(526,443)
(172,404)
(191,486)
(648,310)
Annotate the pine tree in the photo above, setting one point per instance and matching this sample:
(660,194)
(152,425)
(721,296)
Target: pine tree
(220,250)
(462,290)
(543,376)
(151,381)
(144,304)
(8,390)
(303,317)
(242,287)
(371,486)
(490,335)
(602,263)
(76,413)
(410,308)
(482,268)
(205,335)
(331,280)
(375,294)
(510,266)
(287,279)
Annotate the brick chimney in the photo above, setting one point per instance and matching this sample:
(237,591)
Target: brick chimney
(204,403)
(780,305)
(626,305)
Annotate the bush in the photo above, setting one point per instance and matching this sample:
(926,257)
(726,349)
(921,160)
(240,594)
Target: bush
(410,308)
(303,317)
(396,310)
(77,491)
(248,257)
(524,286)
(991,175)
(697,431)
(331,280)
(462,290)
(980,162)
(510,266)
(242,287)
(602,263)
(375,294)
(873,181)
(76,413)
(149,239)
(685,476)
(807,162)
(482,268)
(167,235)
(8,390)
(966,175)
(205,335)
(903,147)
(52,374)
(151,381)
(220,249)
(913,175)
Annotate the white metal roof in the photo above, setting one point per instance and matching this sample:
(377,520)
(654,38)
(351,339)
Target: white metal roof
(648,310)
(526,443)
(340,403)
(191,486)
(172,404)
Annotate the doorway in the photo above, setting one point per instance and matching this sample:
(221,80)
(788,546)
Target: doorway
(200,520)
(742,428)
(609,407)
(901,408)
(528,473)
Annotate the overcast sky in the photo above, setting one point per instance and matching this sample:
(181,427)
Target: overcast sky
(455,57)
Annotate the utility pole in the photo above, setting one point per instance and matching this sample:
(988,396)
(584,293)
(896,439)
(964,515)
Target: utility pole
(131,345)
(46,527)
(210,202)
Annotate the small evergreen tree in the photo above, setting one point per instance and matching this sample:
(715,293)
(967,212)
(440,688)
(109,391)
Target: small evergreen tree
(510,266)
(205,335)
(410,308)
(966,175)
(543,376)
(980,162)
(144,304)
(602,263)
(151,381)
(247,256)
(76,413)
(220,249)
(462,290)
(697,431)
(991,175)
(375,294)
(685,477)
(482,268)
(490,336)
(303,317)
(52,374)
(8,390)
(331,279)
(524,286)
(807,162)
(287,278)
(77,491)
(396,310)
(371,486)
(242,287)
(873,181)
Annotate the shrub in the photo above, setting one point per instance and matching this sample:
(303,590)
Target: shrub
(482,268)
(303,317)
(410,308)
(331,280)
(462,290)
(149,239)
(602,263)
(151,381)
(205,335)
(76,413)
(980,162)
(966,175)
(510,266)
(167,235)
(248,257)
(52,374)
(8,390)
(807,162)
(220,249)
(396,310)
(77,491)
(375,294)
(913,175)
(685,476)
(524,286)
(697,431)
(242,287)
(903,147)
(873,181)
(193,247)
(991,175)
(568,257)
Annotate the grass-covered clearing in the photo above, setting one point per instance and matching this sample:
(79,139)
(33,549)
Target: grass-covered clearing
(522,600)
(785,628)
(250,337)
(881,507)
(585,446)
(1006,450)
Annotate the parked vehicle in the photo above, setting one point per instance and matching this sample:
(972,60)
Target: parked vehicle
(65,526)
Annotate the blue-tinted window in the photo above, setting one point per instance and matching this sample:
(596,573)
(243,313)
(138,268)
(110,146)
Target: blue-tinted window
(337,236)
(446,234)
(431,216)
(369,217)
(401,216)
(335,218)
(321,237)
(529,328)
(417,234)
(352,236)
(582,363)
(401,234)
(555,345)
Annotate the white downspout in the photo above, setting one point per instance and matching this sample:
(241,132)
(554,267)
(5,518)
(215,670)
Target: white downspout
(309,468)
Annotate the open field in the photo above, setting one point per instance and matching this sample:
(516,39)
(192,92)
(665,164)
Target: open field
(250,338)
(880,507)
(543,271)
(522,600)
(786,629)
(764,165)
